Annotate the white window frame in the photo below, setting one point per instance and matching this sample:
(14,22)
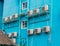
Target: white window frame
(22,25)
(22,5)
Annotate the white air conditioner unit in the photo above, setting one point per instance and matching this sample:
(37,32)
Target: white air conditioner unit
(38,30)
(30,12)
(5,19)
(46,29)
(36,11)
(14,40)
(9,35)
(15,34)
(30,32)
(16,16)
(10,17)
(45,8)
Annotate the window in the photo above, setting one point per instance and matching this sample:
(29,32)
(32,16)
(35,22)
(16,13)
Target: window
(24,5)
(23,24)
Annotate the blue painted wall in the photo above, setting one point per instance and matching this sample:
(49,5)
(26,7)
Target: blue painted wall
(43,39)
(14,6)
(1,13)
(11,8)
(56,23)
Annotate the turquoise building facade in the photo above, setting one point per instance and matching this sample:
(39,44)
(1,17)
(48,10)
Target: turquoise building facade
(27,19)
